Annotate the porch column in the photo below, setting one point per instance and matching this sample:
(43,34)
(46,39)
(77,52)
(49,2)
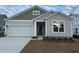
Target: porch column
(34,28)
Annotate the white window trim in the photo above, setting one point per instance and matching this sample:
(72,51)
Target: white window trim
(35,12)
(58,28)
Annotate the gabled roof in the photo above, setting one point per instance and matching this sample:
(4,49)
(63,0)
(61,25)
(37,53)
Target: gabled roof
(24,11)
(64,14)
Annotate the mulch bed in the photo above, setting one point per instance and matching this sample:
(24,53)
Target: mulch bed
(45,46)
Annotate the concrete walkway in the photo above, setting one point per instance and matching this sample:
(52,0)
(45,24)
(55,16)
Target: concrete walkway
(13,44)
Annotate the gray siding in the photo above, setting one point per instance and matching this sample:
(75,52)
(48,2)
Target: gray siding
(67,26)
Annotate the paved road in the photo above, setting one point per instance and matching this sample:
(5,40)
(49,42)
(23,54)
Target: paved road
(13,44)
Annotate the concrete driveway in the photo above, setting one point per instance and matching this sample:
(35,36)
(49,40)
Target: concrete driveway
(13,44)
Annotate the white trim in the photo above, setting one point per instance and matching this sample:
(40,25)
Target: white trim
(39,20)
(5,33)
(36,12)
(20,20)
(35,28)
(46,28)
(58,28)
(50,16)
(71,29)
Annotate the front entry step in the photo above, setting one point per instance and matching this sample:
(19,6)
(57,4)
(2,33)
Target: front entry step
(37,38)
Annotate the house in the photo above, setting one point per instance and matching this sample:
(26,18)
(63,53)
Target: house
(2,22)
(75,22)
(37,21)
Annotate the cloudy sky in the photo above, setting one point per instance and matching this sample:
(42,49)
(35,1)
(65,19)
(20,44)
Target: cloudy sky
(10,10)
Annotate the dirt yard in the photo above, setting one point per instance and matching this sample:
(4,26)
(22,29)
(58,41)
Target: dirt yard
(43,46)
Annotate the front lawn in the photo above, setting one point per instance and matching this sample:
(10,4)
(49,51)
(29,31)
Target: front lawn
(45,46)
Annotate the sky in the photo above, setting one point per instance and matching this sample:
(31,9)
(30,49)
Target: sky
(10,10)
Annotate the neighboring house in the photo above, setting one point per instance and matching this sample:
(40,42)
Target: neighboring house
(2,22)
(37,21)
(75,23)
(73,13)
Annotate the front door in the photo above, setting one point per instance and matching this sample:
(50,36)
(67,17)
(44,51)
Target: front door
(40,28)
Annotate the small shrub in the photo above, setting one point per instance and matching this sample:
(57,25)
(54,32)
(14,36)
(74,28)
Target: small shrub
(1,34)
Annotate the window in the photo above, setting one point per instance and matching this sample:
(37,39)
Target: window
(36,12)
(55,26)
(58,26)
(61,26)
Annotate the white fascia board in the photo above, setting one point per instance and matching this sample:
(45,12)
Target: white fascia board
(50,15)
(20,20)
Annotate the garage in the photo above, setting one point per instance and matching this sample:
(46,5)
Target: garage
(20,29)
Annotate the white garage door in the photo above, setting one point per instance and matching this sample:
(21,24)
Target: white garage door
(20,31)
